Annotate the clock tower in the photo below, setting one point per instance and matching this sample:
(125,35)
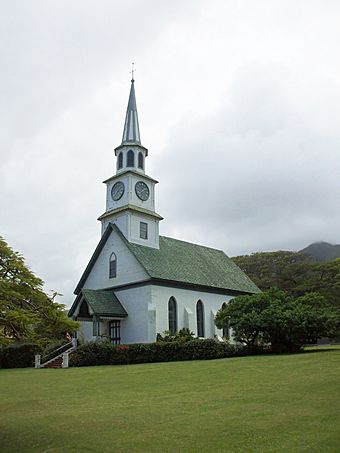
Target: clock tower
(130,193)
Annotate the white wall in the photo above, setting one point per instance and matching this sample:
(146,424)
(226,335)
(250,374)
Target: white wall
(122,220)
(186,309)
(153,235)
(136,327)
(128,268)
(147,308)
(85,332)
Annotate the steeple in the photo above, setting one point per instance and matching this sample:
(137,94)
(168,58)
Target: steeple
(131,126)
(130,196)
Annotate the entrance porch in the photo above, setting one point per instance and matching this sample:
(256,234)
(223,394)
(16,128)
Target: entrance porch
(101,316)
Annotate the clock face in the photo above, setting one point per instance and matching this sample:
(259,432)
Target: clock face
(117,191)
(142,190)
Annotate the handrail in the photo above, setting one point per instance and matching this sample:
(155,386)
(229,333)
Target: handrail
(58,351)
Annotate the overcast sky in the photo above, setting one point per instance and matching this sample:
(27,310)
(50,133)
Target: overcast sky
(239,106)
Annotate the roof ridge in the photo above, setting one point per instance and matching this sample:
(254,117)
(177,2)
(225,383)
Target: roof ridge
(193,243)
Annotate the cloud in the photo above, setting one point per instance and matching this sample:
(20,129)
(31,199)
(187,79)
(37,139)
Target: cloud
(238,105)
(262,172)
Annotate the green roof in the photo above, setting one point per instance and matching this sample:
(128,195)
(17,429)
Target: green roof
(104,302)
(180,262)
(192,264)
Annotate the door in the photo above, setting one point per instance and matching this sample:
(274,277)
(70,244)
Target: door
(115,331)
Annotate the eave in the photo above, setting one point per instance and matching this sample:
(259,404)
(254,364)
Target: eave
(129,207)
(131,144)
(133,172)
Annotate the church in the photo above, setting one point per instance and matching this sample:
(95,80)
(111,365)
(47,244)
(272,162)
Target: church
(138,283)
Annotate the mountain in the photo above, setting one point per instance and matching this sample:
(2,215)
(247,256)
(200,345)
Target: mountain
(322,251)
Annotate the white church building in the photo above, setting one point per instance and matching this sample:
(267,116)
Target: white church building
(138,283)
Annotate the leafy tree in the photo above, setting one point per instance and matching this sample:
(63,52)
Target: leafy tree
(26,312)
(294,272)
(326,280)
(274,269)
(276,318)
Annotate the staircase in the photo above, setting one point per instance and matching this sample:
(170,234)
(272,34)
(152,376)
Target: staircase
(59,357)
(54,363)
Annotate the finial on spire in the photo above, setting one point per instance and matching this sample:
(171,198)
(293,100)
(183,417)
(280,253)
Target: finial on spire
(131,126)
(132,72)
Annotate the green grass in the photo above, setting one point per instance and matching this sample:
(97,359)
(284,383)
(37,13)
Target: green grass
(288,403)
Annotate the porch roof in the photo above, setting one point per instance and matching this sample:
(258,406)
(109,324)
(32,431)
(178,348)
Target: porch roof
(103,303)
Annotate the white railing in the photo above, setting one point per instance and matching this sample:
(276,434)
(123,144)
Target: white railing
(63,352)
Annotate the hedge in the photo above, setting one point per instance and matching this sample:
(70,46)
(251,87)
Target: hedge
(105,353)
(18,355)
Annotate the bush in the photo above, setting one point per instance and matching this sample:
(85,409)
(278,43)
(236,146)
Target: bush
(18,355)
(105,353)
(182,335)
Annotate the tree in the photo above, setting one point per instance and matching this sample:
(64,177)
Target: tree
(26,312)
(280,269)
(294,272)
(277,319)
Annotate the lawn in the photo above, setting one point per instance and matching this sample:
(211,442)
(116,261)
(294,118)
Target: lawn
(288,403)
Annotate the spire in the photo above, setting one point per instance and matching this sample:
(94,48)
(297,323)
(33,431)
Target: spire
(131,126)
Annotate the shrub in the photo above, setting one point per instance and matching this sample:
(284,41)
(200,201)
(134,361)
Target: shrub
(104,353)
(182,335)
(18,355)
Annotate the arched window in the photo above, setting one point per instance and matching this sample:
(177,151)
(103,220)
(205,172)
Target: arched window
(200,318)
(225,328)
(113,265)
(96,326)
(130,159)
(172,310)
(141,161)
(120,160)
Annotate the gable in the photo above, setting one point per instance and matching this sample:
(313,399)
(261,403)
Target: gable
(96,274)
(101,302)
(175,261)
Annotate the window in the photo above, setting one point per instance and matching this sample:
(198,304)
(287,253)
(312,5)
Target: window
(130,159)
(141,161)
(115,331)
(225,329)
(113,266)
(120,160)
(172,311)
(143,230)
(95,327)
(200,318)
